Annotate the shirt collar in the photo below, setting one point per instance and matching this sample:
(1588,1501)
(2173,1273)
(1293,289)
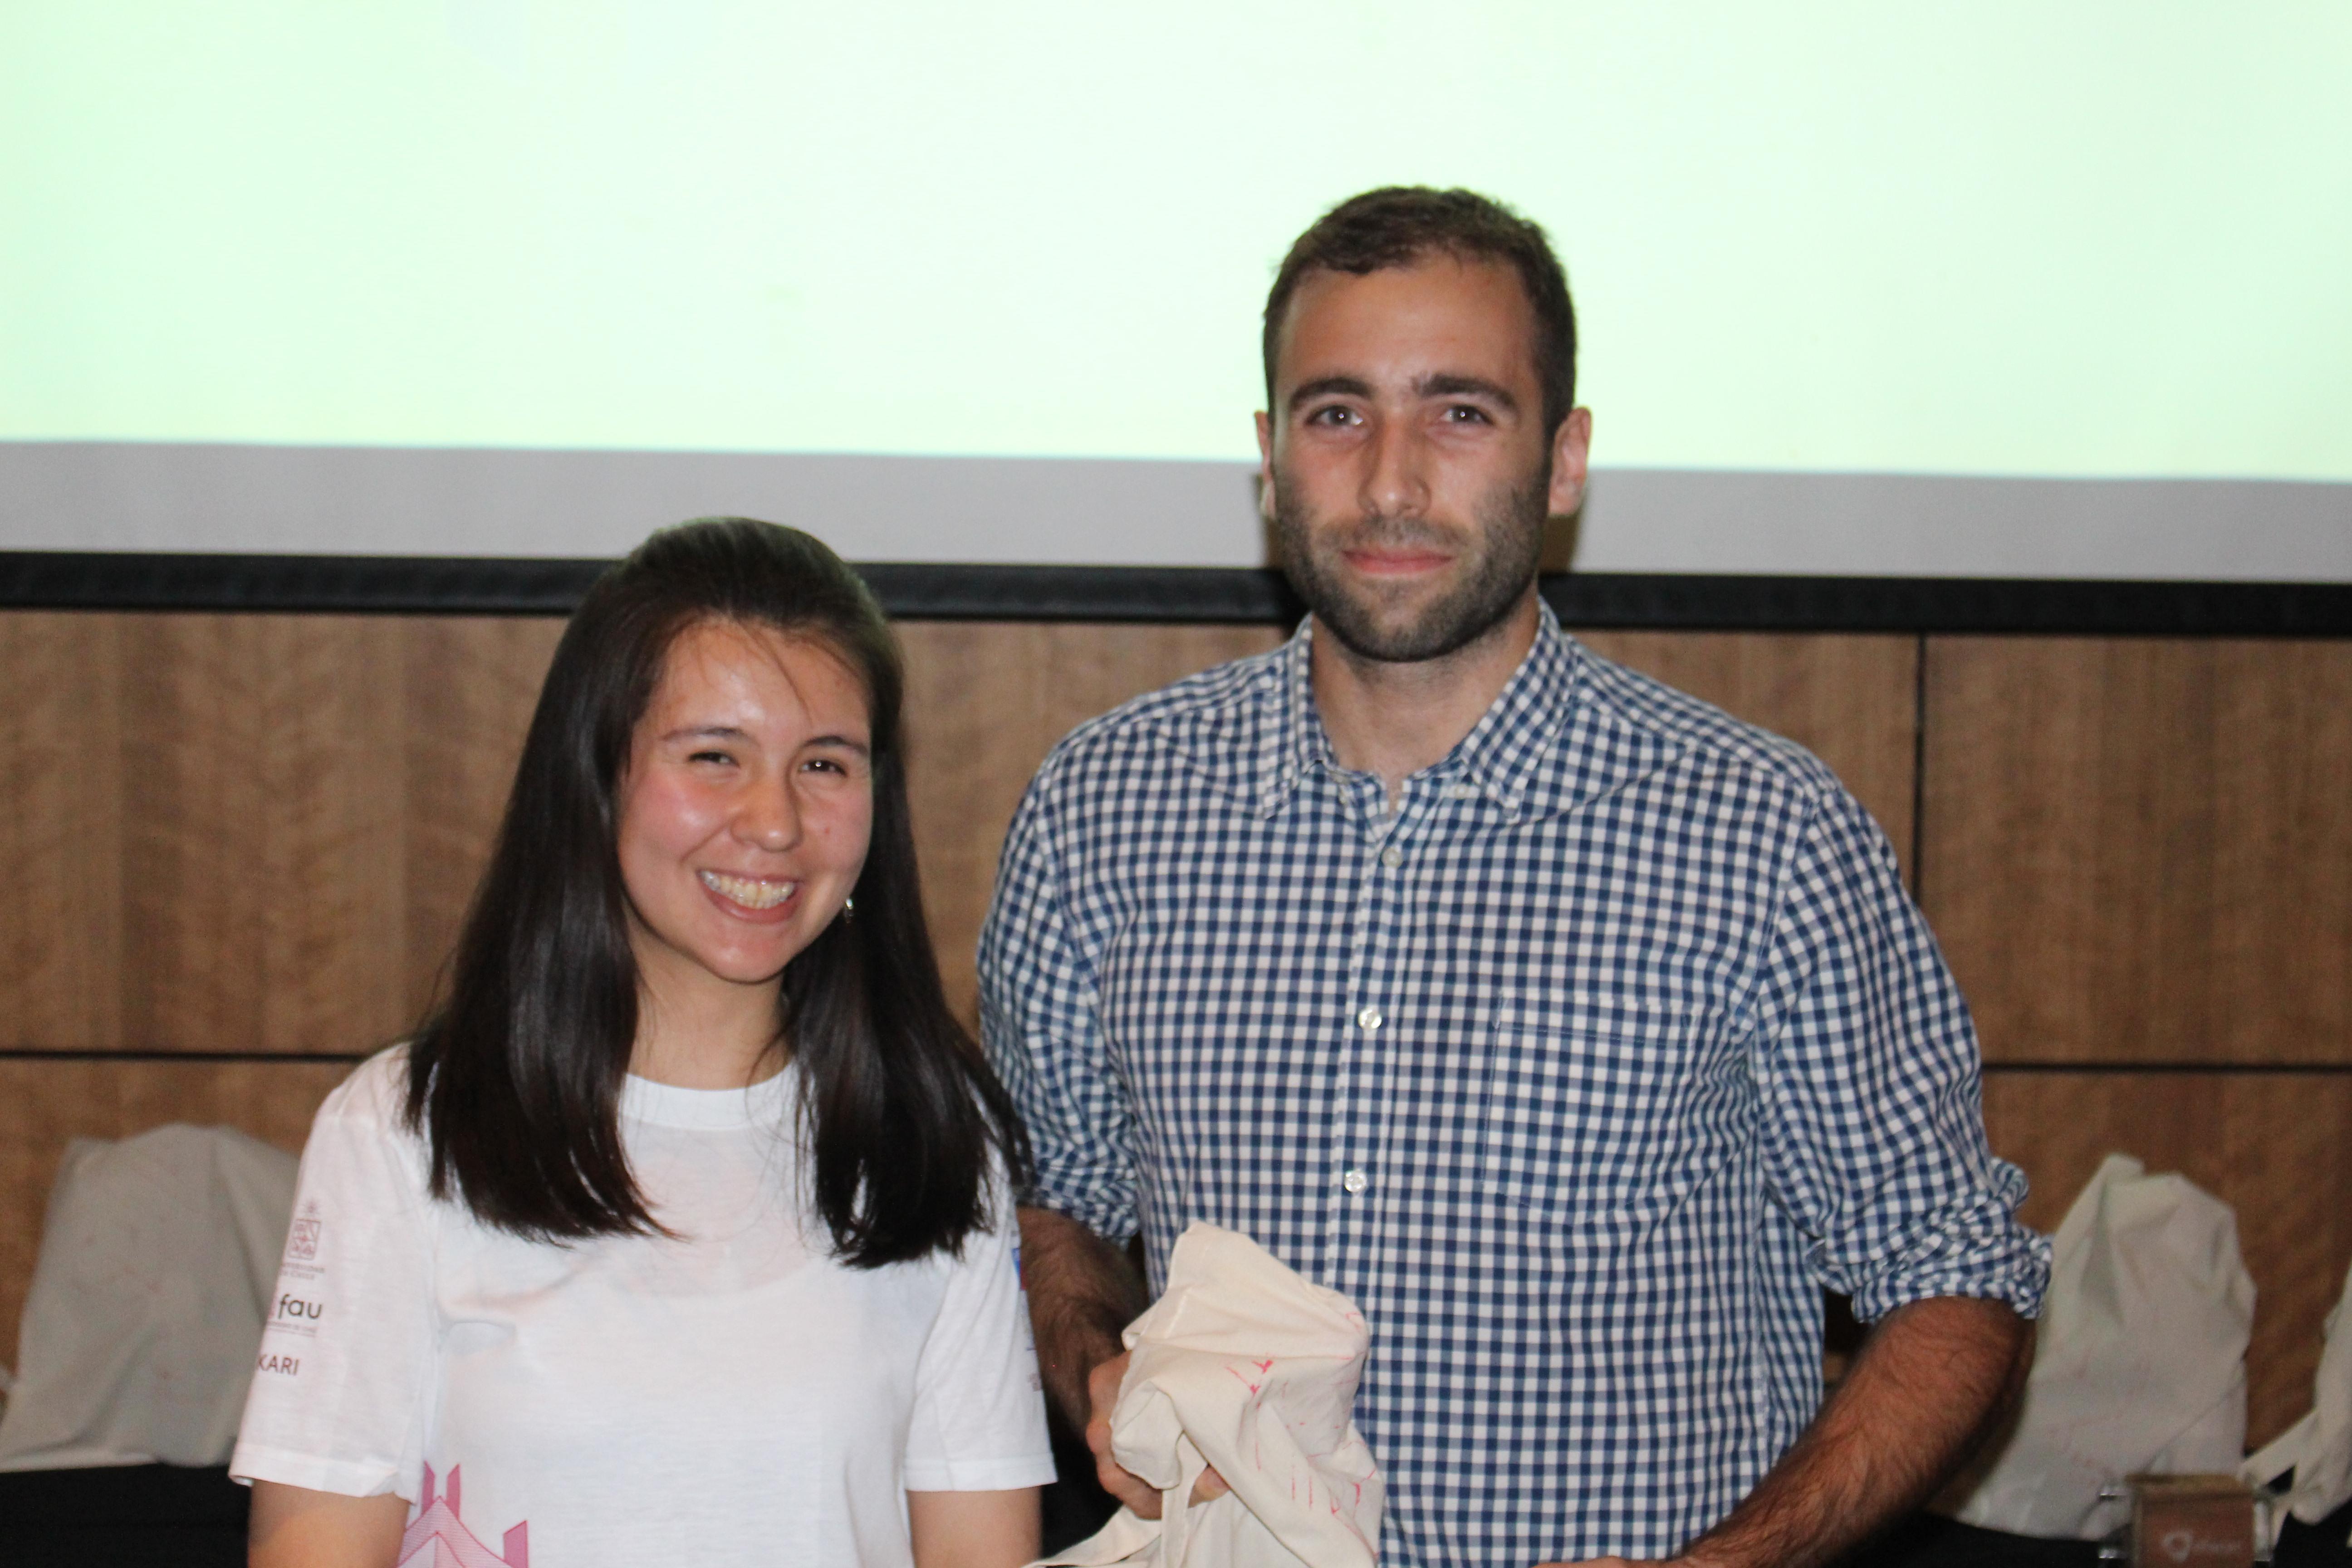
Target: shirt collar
(1295,740)
(1502,755)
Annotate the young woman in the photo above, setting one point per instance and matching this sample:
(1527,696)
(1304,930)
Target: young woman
(681,1232)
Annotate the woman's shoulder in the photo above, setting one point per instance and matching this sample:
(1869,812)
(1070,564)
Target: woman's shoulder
(360,1141)
(375,1095)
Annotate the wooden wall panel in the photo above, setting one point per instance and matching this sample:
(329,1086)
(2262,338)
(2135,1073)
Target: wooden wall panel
(472,686)
(985,701)
(1850,701)
(333,721)
(247,833)
(196,834)
(61,767)
(2277,1147)
(45,1104)
(2142,850)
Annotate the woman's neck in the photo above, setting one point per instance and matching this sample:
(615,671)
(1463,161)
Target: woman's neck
(708,1034)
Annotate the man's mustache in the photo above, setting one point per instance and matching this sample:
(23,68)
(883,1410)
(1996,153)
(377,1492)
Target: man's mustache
(1378,532)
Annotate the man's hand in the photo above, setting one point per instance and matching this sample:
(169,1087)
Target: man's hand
(1081,1294)
(1102,1390)
(1138,1494)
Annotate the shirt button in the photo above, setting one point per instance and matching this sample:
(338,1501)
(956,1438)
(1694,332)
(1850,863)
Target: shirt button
(1355,1181)
(1370,1018)
(1460,791)
(1392,857)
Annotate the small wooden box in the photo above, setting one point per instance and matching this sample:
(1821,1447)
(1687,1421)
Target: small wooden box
(2194,1521)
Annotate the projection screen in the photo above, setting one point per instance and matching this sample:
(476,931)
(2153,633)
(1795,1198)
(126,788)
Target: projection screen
(2004,289)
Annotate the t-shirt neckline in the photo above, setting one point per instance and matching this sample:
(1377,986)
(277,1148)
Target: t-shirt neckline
(762,1104)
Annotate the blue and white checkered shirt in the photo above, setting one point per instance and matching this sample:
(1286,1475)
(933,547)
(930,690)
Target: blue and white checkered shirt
(1582,1074)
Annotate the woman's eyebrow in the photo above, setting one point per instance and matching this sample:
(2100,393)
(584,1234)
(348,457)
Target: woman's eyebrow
(735,732)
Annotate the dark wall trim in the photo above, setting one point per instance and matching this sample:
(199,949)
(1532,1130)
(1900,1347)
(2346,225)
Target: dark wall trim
(161,1055)
(2199,1069)
(2204,1069)
(58,580)
(1955,604)
(363,584)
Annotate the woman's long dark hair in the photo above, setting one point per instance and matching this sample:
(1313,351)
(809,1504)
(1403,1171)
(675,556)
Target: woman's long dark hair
(515,1080)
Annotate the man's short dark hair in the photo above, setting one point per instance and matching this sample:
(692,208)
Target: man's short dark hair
(1398,225)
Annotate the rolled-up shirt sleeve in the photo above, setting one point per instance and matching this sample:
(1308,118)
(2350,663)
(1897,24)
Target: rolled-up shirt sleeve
(1038,1022)
(1870,1077)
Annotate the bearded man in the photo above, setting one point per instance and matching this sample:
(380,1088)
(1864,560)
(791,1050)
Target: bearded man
(1579,1033)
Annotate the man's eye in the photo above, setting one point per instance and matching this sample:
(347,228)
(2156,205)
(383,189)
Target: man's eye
(1335,414)
(1467,414)
(722,757)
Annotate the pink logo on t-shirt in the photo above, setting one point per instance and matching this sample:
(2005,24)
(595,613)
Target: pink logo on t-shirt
(437,1540)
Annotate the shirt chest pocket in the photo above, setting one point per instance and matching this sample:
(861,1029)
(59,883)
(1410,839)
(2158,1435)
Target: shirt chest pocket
(1592,1130)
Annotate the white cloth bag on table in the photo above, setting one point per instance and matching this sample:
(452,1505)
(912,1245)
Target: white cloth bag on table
(158,1260)
(1243,1366)
(2140,1362)
(2318,1447)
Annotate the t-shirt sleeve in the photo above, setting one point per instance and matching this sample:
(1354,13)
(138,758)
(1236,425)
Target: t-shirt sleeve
(979,1419)
(1869,1069)
(1037,1018)
(341,1384)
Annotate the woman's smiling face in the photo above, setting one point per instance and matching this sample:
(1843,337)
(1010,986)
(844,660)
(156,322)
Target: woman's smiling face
(747,807)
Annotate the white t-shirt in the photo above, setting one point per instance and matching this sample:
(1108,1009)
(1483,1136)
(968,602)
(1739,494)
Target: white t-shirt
(736,1395)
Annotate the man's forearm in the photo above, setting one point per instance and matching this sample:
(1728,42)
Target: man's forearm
(1082,1293)
(1930,1382)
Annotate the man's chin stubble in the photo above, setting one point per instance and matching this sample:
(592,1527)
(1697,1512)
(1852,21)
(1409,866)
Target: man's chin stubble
(1467,613)
(1441,628)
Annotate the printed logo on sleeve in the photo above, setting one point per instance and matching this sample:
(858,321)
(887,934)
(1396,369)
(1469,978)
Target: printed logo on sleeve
(303,1242)
(294,1315)
(281,1365)
(301,1266)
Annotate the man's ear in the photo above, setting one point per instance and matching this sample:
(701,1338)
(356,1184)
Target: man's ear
(1265,466)
(1572,444)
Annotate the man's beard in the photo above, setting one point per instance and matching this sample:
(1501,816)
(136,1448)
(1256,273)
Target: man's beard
(1507,546)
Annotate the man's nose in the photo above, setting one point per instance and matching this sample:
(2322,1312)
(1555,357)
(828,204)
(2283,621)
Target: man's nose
(769,814)
(1396,481)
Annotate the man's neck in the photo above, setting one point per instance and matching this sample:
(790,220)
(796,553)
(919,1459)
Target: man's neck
(1394,720)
